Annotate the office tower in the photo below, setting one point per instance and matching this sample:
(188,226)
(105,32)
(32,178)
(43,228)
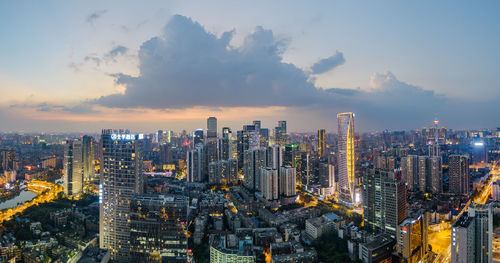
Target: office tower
(73,168)
(254,160)
(274,156)
(198,137)
(321,143)
(495,191)
(159,136)
(224,148)
(287,181)
(257,125)
(479,153)
(158,228)
(88,159)
(195,164)
(269,183)
(290,154)
(377,249)
(472,235)
(409,170)
(411,240)
(327,176)
(170,136)
(458,171)
(226,133)
(264,137)
(346,157)
(210,151)
(211,127)
(121,178)
(384,201)
(248,138)
(280,133)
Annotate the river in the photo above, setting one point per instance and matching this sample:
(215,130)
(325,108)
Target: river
(23,197)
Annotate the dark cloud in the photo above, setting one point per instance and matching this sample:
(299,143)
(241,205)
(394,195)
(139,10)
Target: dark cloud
(118,50)
(95,15)
(187,66)
(79,108)
(329,63)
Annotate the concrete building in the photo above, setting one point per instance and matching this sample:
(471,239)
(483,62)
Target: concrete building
(158,228)
(231,249)
(459,174)
(121,178)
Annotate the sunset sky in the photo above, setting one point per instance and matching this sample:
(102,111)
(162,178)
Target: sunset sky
(87,65)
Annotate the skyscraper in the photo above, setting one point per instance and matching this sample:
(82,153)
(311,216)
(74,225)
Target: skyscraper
(268,185)
(198,137)
(121,178)
(409,170)
(472,235)
(288,181)
(280,133)
(226,133)
(384,201)
(254,160)
(321,143)
(211,127)
(73,168)
(346,157)
(195,164)
(88,159)
(158,228)
(458,174)
(412,238)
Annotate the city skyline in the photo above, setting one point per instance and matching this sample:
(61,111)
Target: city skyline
(99,64)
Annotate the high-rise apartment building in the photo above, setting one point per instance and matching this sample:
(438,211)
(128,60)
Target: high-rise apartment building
(211,127)
(158,228)
(346,157)
(458,171)
(288,181)
(409,170)
(269,183)
(384,201)
(195,163)
(254,160)
(322,142)
(73,168)
(472,235)
(121,178)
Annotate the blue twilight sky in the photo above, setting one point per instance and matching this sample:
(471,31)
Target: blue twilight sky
(83,65)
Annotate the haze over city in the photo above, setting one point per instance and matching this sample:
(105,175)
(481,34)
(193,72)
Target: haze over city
(83,66)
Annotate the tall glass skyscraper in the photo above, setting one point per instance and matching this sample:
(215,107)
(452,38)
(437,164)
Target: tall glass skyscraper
(121,178)
(321,143)
(212,127)
(73,168)
(346,157)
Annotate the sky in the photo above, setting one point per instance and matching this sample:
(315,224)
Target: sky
(81,66)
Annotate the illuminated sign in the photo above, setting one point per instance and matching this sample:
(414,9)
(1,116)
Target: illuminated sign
(126,137)
(478,144)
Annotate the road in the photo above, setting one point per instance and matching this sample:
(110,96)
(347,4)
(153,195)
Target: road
(440,241)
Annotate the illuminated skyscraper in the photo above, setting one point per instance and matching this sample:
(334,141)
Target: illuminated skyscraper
(211,127)
(73,168)
(121,178)
(88,159)
(345,156)
(321,143)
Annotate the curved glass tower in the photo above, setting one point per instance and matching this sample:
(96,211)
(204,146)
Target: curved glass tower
(346,157)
